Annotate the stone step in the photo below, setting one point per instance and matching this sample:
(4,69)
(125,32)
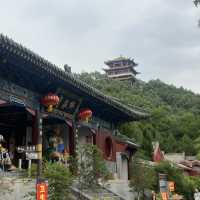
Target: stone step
(102,194)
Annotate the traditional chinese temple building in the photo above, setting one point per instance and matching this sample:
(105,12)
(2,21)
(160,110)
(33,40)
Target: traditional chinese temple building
(189,164)
(121,68)
(36,97)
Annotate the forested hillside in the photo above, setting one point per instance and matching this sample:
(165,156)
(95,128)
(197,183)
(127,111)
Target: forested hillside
(175,113)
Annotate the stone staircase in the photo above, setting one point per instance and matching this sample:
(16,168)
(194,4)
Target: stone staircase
(14,187)
(100,194)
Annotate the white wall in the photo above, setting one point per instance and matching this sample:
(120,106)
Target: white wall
(122,166)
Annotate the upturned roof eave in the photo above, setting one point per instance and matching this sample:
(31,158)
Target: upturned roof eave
(18,50)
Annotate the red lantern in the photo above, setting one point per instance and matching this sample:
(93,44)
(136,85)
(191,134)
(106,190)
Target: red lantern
(50,100)
(85,114)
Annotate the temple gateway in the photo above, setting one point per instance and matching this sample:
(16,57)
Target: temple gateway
(45,111)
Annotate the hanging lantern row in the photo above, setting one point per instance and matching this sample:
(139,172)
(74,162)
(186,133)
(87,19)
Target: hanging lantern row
(85,114)
(50,100)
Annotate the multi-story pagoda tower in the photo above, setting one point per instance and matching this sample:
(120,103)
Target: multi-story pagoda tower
(121,68)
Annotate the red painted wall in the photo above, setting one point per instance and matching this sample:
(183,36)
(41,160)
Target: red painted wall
(101,144)
(158,155)
(116,146)
(120,147)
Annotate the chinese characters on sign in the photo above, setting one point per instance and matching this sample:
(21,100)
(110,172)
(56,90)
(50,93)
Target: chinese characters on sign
(42,191)
(68,102)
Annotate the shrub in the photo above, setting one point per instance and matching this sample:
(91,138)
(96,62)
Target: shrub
(91,166)
(59,181)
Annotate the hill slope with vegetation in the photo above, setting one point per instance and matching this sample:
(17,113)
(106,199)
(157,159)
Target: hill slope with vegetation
(175,113)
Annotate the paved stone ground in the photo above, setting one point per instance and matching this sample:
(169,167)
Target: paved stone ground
(101,194)
(13,187)
(121,188)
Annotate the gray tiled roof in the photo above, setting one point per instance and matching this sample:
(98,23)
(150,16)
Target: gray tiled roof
(10,47)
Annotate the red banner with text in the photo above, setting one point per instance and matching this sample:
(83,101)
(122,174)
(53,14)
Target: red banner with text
(42,191)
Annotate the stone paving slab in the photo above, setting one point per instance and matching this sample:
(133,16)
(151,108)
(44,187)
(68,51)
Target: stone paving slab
(15,188)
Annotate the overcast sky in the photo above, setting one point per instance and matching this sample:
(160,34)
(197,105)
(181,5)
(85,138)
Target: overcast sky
(161,35)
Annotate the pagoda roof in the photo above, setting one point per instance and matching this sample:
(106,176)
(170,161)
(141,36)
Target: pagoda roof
(121,58)
(121,67)
(124,139)
(27,63)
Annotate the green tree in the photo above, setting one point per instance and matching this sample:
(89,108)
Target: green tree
(91,167)
(143,177)
(187,145)
(197,146)
(59,181)
(133,130)
(184,185)
(169,143)
(147,143)
(175,112)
